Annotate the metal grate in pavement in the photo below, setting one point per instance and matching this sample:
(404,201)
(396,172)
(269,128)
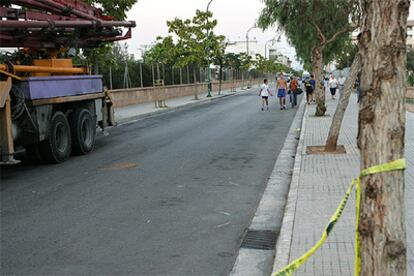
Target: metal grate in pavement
(259,239)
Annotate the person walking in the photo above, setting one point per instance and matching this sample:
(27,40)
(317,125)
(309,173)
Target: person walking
(333,85)
(293,88)
(281,88)
(265,93)
(313,83)
(309,87)
(326,85)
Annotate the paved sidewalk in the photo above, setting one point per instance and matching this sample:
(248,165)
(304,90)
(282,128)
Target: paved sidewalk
(123,114)
(323,180)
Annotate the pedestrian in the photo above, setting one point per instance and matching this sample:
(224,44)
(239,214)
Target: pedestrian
(281,87)
(309,87)
(333,85)
(341,83)
(326,85)
(265,93)
(313,83)
(293,88)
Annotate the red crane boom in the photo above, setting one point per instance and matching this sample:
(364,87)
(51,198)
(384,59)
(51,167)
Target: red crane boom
(55,24)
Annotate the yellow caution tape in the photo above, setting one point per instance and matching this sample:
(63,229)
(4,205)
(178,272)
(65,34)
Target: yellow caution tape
(388,167)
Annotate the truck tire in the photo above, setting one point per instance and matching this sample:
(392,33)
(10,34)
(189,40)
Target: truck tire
(83,129)
(57,148)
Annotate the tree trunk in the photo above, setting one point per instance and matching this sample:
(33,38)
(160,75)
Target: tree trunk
(153,74)
(382,230)
(195,80)
(220,78)
(333,135)
(317,67)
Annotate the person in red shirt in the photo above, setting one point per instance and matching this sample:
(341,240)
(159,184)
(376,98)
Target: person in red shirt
(293,88)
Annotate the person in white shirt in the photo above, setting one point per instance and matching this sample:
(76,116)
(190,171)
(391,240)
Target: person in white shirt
(265,93)
(341,82)
(333,85)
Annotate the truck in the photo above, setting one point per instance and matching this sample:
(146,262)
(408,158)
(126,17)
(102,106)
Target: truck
(48,106)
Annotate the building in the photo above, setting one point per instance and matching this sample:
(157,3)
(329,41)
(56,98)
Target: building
(240,46)
(274,54)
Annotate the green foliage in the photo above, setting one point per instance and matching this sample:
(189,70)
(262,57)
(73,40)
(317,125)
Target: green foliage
(346,57)
(410,59)
(164,51)
(197,41)
(410,66)
(269,66)
(117,9)
(301,21)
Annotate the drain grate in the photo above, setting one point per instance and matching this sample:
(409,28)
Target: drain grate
(259,239)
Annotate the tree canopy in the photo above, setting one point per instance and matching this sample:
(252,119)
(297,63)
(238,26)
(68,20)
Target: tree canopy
(117,9)
(309,23)
(196,40)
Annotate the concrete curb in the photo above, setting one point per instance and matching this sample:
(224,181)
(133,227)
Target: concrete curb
(172,109)
(285,238)
(260,262)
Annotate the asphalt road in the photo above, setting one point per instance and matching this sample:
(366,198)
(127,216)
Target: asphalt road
(171,194)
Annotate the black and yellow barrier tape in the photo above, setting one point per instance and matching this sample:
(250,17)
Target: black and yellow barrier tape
(356,183)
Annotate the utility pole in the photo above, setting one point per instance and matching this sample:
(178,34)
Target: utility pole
(208,56)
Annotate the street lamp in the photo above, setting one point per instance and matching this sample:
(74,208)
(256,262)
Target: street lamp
(208,55)
(247,38)
(273,40)
(267,42)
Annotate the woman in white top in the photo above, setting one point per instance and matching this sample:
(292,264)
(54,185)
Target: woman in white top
(265,93)
(333,85)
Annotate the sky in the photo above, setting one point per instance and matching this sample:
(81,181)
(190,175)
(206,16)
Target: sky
(234,17)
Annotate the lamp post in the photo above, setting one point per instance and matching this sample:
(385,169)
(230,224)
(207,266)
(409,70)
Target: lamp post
(273,40)
(208,55)
(247,38)
(267,42)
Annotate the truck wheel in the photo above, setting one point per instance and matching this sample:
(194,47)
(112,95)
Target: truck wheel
(83,127)
(57,148)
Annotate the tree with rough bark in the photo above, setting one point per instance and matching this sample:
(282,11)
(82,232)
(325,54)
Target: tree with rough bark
(316,28)
(333,135)
(382,229)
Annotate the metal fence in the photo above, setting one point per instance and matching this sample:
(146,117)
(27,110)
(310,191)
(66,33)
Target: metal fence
(136,74)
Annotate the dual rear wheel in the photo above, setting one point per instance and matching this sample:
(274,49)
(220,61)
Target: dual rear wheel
(75,134)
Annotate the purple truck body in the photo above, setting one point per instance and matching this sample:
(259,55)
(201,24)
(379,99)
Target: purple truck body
(35,88)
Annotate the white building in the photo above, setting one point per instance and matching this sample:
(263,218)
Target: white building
(274,54)
(240,46)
